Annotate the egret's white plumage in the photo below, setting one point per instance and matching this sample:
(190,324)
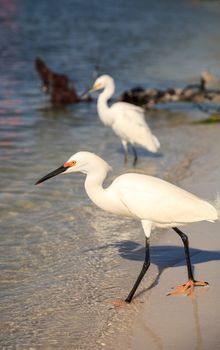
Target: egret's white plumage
(126,120)
(155,202)
(140,196)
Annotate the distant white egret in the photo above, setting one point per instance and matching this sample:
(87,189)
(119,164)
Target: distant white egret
(155,202)
(126,120)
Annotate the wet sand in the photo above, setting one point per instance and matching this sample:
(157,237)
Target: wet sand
(157,321)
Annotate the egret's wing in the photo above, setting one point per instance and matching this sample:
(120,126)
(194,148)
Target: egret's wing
(130,125)
(162,202)
(130,106)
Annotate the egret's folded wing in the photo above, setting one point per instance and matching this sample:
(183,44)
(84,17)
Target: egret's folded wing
(171,205)
(129,106)
(129,124)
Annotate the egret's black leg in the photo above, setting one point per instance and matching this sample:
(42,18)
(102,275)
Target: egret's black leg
(188,287)
(135,155)
(125,156)
(125,146)
(142,273)
(186,249)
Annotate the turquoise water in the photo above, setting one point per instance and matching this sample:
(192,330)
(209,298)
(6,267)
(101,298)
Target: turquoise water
(60,261)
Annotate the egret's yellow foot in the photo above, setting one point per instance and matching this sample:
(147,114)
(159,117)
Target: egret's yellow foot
(187,288)
(119,302)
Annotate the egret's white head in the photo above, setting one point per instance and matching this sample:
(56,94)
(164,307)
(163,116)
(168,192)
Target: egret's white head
(84,162)
(102,82)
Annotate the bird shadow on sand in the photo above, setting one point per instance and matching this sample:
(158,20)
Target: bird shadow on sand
(162,256)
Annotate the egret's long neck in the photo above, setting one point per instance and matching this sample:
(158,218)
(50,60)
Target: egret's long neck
(94,188)
(102,106)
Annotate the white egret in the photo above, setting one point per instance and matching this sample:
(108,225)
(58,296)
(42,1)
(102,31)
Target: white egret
(155,202)
(126,120)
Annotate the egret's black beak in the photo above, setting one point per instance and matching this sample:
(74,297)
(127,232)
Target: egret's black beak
(58,171)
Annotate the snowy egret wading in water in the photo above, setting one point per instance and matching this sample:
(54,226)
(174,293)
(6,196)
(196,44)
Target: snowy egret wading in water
(156,203)
(126,120)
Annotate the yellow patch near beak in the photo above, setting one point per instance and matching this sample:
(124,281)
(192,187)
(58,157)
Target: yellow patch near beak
(96,86)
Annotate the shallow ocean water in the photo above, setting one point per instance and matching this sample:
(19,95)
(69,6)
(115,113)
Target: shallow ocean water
(62,259)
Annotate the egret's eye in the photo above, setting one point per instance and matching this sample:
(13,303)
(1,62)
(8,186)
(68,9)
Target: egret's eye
(73,162)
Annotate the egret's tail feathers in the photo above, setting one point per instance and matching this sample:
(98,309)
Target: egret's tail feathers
(216,204)
(157,142)
(153,144)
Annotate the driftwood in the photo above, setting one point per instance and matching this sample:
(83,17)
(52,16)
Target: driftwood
(196,93)
(56,85)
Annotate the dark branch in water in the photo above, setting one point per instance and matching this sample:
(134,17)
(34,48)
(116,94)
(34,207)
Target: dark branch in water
(56,85)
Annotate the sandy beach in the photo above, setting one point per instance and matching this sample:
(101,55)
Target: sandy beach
(158,321)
